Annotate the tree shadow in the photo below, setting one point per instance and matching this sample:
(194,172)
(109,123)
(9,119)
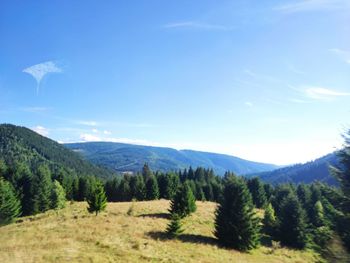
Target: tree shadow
(186,238)
(156,215)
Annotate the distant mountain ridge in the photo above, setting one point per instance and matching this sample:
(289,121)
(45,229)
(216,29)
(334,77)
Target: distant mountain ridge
(317,170)
(22,145)
(129,157)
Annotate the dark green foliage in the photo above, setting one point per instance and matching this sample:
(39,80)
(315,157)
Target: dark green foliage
(58,196)
(199,192)
(183,202)
(292,223)
(236,225)
(112,191)
(97,200)
(124,190)
(270,221)
(10,206)
(257,190)
(152,190)
(174,227)
(42,188)
(317,215)
(146,171)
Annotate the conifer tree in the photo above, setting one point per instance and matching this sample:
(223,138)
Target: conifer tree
(146,171)
(58,197)
(292,227)
(43,186)
(183,202)
(318,218)
(97,200)
(152,190)
(10,206)
(174,227)
(257,190)
(236,224)
(269,221)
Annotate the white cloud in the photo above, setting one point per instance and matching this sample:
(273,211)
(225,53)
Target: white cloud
(196,25)
(342,54)
(248,104)
(107,132)
(94,130)
(41,130)
(38,71)
(88,123)
(90,138)
(312,5)
(35,109)
(320,93)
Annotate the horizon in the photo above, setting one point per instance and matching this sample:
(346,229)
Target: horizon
(266,82)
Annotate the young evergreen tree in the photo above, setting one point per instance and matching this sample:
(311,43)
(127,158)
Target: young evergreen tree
(152,190)
(236,224)
(140,193)
(10,206)
(174,227)
(269,221)
(257,190)
(318,217)
(43,186)
(183,202)
(97,200)
(292,225)
(58,196)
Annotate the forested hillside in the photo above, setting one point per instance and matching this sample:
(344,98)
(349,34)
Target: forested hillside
(20,145)
(317,170)
(129,157)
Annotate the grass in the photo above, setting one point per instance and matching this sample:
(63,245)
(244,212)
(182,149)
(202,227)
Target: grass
(74,235)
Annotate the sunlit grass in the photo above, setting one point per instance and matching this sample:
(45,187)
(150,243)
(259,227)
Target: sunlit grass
(74,235)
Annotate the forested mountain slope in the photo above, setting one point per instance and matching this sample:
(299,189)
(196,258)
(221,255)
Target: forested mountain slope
(129,157)
(22,145)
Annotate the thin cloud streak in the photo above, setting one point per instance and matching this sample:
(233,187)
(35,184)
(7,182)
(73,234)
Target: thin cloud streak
(312,5)
(342,54)
(320,93)
(196,25)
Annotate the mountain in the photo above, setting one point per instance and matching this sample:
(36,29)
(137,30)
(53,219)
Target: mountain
(129,157)
(20,144)
(317,170)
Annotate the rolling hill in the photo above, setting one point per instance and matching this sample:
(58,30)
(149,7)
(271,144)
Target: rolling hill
(129,157)
(20,144)
(317,170)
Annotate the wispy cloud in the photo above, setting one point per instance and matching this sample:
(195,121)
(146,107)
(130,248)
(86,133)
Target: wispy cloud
(39,71)
(312,5)
(88,123)
(86,137)
(249,104)
(41,130)
(342,54)
(196,25)
(35,109)
(320,93)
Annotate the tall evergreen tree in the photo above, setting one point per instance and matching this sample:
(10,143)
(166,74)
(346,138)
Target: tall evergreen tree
(292,225)
(236,224)
(58,196)
(269,221)
(97,200)
(174,227)
(152,190)
(10,206)
(183,202)
(257,190)
(43,186)
(140,193)
(146,171)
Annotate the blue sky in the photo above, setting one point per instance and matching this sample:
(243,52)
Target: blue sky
(264,80)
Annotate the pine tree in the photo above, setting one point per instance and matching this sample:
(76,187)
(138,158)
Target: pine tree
(269,221)
(236,224)
(174,227)
(10,206)
(97,200)
(58,196)
(146,171)
(152,190)
(183,202)
(292,227)
(43,186)
(257,190)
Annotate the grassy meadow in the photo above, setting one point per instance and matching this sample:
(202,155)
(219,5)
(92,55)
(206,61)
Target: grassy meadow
(126,232)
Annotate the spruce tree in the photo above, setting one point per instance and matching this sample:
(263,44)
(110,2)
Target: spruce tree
(10,206)
(236,224)
(174,227)
(43,186)
(58,196)
(257,190)
(269,221)
(183,202)
(152,190)
(97,200)
(292,226)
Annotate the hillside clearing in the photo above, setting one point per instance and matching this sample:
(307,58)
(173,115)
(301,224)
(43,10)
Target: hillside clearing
(74,235)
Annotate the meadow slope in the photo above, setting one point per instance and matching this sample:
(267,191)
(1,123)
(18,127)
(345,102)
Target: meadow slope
(74,235)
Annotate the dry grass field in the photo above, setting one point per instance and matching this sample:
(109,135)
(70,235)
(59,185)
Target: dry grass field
(121,235)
